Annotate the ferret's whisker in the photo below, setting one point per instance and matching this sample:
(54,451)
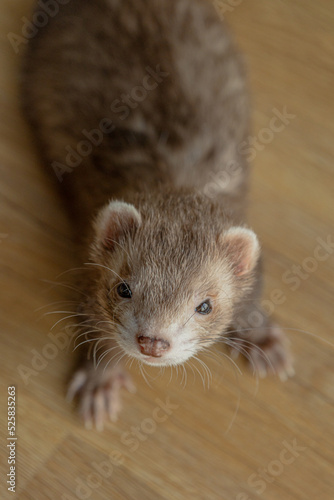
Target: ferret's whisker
(85,333)
(245,353)
(142,369)
(237,372)
(233,362)
(189,319)
(105,354)
(236,342)
(184,373)
(96,348)
(109,322)
(49,313)
(124,354)
(206,371)
(171,374)
(191,368)
(66,317)
(105,267)
(57,302)
(282,328)
(84,342)
(112,358)
(308,333)
(225,355)
(72,270)
(198,371)
(59,312)
(54,283)
(236,407)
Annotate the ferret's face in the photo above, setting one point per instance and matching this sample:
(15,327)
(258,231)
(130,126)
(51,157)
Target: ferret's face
(162,317)
(166,291)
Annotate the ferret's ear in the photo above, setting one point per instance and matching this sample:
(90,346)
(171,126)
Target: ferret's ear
(114,221)
(242,249)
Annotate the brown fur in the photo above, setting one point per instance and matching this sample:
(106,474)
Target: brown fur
(159,157)
(186,129)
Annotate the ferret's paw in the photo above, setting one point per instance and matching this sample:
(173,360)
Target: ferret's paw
(270,357)
(98,394)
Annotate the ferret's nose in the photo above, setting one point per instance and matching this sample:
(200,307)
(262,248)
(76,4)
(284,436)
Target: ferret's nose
(152,346)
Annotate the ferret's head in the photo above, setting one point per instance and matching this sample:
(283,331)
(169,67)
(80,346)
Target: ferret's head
(171,275)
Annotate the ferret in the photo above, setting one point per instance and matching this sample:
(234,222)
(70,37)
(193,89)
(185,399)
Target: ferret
(139,108)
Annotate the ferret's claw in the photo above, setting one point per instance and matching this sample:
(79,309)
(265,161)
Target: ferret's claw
(113,401)
(76,384)
(98,395)
(127,382)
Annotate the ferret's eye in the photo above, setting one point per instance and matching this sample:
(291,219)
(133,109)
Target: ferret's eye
(124,291)
(204,308)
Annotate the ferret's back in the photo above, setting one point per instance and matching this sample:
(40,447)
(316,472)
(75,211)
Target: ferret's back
(129,91)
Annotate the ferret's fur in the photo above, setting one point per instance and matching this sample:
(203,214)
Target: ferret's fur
(139,199)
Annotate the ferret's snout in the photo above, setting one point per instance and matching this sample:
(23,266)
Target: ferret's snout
(152,346)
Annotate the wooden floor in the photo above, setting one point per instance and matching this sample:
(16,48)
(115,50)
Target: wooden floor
(237,439)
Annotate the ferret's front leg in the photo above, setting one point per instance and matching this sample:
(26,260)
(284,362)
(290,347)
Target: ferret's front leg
(262,341)
(267,349)
(96,387)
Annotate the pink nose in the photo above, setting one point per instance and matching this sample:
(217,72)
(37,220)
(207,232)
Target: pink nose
(151,346)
